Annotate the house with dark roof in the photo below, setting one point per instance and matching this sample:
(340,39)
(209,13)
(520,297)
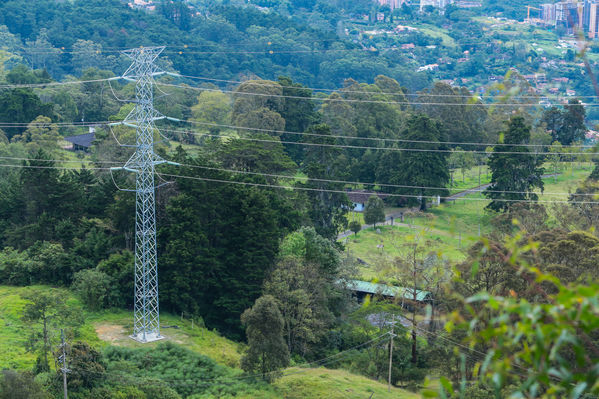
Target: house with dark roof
(359,198)
(81,142)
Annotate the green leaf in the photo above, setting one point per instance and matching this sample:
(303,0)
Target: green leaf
(446,385)
(579,390)
(474,269)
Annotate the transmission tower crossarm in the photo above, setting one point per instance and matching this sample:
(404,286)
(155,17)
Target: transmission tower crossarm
(122,124)
(124,168)
(163,161)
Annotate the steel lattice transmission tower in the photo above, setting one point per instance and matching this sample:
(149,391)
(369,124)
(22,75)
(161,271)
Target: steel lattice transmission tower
(146,318)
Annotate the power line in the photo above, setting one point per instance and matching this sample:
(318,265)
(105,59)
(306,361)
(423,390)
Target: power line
(68,82)
(394,149)
(344,90)
(348,100)
(48,167)
(379,139)
(33,123)
(474,190)
(265,185)
(58,160)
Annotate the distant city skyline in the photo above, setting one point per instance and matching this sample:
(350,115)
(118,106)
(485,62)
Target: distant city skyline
(572,15)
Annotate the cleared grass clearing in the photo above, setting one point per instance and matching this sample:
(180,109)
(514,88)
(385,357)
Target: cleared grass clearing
(452,227)
(470,178)
(437,32)
(365,245)
(567,182)
(111,327)
(114,328)
(334,384)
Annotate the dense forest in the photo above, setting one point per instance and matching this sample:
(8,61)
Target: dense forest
(253,220)
(225,42)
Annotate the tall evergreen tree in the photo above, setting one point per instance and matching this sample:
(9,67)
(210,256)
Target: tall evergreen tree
(374,211)
(553,120)
(424,166)
(299,113)
(515,171)
(573,128)
(328,209)
(267,351)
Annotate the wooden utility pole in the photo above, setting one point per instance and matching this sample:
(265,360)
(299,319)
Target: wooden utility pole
(391,351)
(63,363)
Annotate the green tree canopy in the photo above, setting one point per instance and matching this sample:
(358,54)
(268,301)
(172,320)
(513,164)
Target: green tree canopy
(423,164)
(374,211)
(267,352)
(515,171)
(328,206)
(21,106)
(213,108)
(47,312)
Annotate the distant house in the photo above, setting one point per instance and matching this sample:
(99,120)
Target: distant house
(561,80)
(142,5)
(364,288)
(429,67)
(82,142)
(359,198)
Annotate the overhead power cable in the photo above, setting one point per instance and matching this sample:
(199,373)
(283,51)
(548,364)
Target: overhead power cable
(473,190)
(393,149)
(355,183)
(345,90)
(350,100)
(34,123)
(49,167)
(65,83)
(434,197)
(58,160)
(379,139)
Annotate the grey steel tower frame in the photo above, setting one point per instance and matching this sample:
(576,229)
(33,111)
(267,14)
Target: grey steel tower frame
(146,317)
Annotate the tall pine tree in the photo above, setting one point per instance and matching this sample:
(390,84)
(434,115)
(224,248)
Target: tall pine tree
(423,165)
(515,171)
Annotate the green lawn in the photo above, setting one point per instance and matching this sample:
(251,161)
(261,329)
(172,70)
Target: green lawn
(452,227)
(323,383)
(565,183)
(394,239)
(436,32)
(105,328)
(470,178)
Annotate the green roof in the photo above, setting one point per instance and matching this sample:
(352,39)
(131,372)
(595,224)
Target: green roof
(387,290)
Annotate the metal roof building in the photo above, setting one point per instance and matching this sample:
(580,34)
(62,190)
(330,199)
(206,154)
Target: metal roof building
(390,291)
(81,142)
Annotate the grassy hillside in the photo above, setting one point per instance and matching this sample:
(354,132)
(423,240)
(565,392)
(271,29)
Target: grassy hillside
(334,384)
(102,329)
